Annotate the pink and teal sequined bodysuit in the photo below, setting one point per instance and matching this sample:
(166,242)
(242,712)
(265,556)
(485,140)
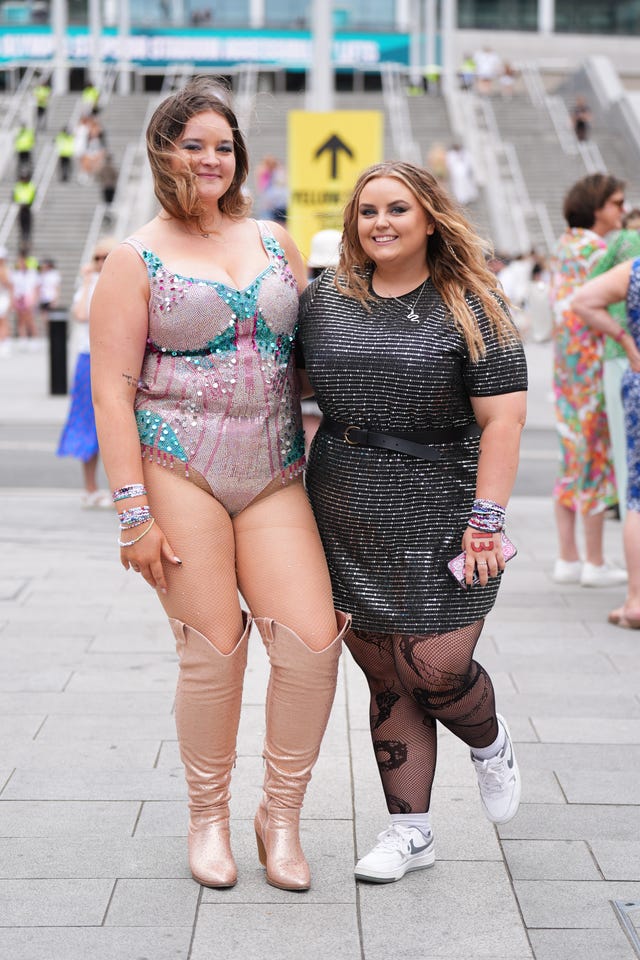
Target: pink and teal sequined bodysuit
(217,388)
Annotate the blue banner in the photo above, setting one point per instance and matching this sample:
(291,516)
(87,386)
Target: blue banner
(207,48)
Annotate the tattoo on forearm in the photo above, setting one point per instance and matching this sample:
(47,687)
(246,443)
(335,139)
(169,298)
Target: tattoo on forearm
(132,381)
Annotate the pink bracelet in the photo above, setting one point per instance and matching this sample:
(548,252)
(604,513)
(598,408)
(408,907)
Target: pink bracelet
(619,335)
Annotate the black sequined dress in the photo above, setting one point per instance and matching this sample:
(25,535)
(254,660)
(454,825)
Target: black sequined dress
(390,522)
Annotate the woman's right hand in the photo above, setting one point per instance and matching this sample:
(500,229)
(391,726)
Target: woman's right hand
(146,555)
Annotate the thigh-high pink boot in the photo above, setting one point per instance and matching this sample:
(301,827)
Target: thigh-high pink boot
(208,699)
(299,697)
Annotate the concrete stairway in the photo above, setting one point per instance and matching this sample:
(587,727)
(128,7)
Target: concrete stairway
(66,210)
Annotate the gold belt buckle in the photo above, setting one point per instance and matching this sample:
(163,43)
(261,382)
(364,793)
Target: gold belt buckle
(352,443)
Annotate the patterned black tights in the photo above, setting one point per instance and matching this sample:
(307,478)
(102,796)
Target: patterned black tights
(414,681)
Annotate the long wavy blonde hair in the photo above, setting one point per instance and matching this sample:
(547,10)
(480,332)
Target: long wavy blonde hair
(454,253)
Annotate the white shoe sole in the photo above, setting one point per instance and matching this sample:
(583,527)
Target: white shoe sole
(421,862)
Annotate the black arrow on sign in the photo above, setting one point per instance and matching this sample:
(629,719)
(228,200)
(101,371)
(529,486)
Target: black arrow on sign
(334,145)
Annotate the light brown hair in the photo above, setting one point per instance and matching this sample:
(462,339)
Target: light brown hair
(176,189)
(454,253)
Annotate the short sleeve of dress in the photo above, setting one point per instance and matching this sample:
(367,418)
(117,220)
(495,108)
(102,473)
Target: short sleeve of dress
(502,369)
(306,300)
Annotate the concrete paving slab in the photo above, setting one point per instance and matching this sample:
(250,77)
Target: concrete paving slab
(592,662)
(51,902)
(608,756)
(585,786)
(56,819)
(10,589)
(124,672)
(49,680)
(285,931)
(572,904)
(113,784)
(140,703)
(625,705)
(152,726)
(617,859)
(44,756)
(151,903)
(466,910)
(581,945)
(550,860)
(98,943)
(103,858)
(559,729)
(21,727)
(542,821)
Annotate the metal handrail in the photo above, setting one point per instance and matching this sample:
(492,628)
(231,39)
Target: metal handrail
(397,110)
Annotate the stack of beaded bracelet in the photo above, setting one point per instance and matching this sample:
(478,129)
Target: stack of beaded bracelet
(134,517)
(487,516)
(131,490)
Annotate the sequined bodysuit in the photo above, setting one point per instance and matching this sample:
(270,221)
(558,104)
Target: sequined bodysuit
(217,389)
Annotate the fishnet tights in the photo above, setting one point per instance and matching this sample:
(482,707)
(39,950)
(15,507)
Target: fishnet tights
(414,681)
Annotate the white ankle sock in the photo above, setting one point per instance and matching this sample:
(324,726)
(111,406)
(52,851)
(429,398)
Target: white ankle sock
(421,821)
(485,753)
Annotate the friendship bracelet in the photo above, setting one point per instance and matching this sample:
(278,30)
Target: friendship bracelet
(487,516)
(135,523)
(131,490)
(130,543)
(134,516)
(619,335)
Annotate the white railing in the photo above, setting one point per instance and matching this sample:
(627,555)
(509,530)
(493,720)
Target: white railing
(245,96)
(397,110)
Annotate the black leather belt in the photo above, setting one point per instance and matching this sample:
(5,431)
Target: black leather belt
(417,443)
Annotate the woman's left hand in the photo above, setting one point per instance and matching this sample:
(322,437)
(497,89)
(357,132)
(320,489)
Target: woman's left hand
(483,554)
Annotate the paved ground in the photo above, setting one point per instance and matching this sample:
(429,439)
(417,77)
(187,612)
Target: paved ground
(92,798)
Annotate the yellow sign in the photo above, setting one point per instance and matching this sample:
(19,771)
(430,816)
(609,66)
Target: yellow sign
(327,153)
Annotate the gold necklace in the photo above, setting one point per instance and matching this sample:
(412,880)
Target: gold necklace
(411,312)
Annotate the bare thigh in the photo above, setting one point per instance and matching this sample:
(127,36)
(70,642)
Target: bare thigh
(203,591)
(281,567)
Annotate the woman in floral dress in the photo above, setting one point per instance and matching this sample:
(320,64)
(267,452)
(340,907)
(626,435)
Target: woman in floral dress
(586,483)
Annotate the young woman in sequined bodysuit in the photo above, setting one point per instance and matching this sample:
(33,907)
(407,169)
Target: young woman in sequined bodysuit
(198,415)
(421,378)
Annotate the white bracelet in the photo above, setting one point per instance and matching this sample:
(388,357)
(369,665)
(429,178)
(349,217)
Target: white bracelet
(130,543)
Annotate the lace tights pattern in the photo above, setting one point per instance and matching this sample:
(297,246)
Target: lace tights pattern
(414,681)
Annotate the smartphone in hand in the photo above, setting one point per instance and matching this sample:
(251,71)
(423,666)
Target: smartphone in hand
(456,566)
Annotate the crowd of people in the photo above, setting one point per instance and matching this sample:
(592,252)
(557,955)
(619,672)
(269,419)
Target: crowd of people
(29,290)
(29,283)
(207,328)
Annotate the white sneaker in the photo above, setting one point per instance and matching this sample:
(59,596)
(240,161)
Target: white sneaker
(398,850)
(605,575)
(499,781)
(98,500)
(567,571)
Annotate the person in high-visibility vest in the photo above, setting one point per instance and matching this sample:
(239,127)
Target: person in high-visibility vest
(24,193)
(23,145)
(90,98)
(42,93)
(66,148)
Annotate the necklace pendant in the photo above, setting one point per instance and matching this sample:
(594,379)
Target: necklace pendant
(413,316)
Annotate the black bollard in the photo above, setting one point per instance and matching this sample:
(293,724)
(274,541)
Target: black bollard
(58,351)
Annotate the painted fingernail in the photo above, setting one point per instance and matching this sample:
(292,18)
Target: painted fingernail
(177,560)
